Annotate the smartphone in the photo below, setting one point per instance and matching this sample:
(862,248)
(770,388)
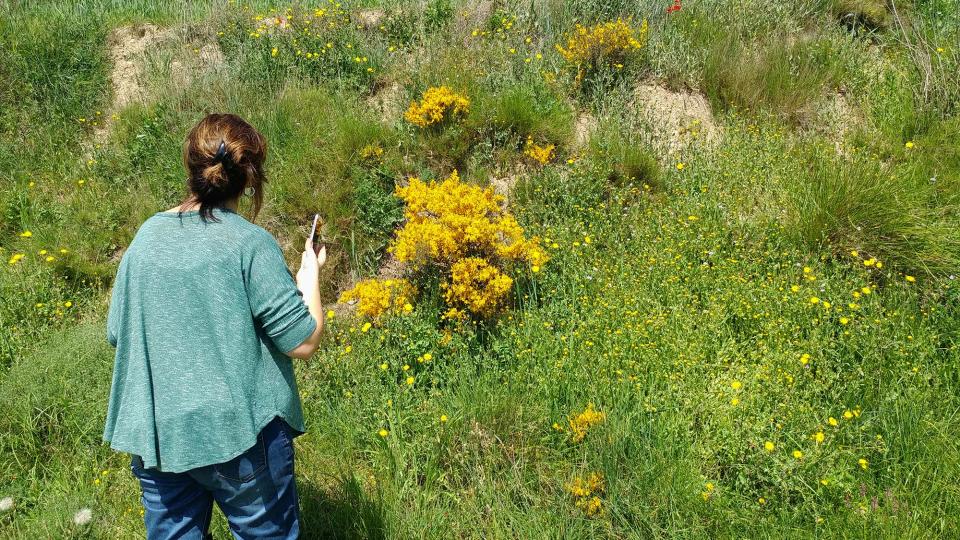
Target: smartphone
(313,233)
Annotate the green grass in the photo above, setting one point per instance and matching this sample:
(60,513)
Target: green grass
(680,302)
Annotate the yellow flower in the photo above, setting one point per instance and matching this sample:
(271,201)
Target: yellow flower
(832,421)
(804,358)
(814,300)
(540,154)
(366,326)
(863,463)
(378,297)
(911,279)
(735,401)
(768,446)
(736,385)
(443,418)
(797,454)
(605,42)
(819,437)
(434,104)
(680,166)
(844,320)
(427,357)
(848,415)
(582,422)
(909,144)
(410,380)
(383,432)
(384,366)
(68,303)
(824,481)
(26,234)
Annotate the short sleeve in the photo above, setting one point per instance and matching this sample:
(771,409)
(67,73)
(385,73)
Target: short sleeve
(115,309)
(276,304)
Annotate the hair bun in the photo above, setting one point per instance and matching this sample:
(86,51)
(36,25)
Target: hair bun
(215,175)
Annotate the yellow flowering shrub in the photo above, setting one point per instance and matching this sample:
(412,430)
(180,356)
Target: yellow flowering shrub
(371,151)
(476,287)
(586,491)
(581,423)
(609,42)
(450,220)
(375,297)
(464,232)
(540,154)
(434,105)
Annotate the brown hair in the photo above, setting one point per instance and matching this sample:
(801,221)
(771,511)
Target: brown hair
(217,175)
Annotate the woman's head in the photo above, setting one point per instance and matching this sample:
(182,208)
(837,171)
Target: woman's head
(223,154)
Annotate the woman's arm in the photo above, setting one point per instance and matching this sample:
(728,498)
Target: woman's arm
(308,281)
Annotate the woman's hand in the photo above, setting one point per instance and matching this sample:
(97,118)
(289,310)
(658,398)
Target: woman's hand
(308,281)
(310,262)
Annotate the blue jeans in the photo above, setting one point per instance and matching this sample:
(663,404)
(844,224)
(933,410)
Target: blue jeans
(256,491)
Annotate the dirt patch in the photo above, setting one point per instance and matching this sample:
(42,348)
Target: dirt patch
(677,118)
(369,19)
(833,117)
(128,46)
(504,182)
(583,128)
(388,102)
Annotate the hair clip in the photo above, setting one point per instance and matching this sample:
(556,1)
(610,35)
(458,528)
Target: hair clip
(221,152)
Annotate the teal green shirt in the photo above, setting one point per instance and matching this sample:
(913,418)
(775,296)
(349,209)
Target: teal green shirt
(201,315)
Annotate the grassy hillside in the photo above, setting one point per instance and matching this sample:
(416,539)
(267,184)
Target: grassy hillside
(747,326)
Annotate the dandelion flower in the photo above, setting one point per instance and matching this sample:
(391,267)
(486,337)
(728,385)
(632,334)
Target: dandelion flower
(832,421)
(6,503)
(736,385)
(83,516)
(410,381)
(768,446)
(443,418)
(818,436)
(911,279)
(383,432)
(797,454)
(909,144)
(366,327)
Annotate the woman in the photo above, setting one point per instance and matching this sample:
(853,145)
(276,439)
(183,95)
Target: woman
(205,317)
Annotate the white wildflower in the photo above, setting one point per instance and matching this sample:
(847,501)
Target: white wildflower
(6,503)
(83,516)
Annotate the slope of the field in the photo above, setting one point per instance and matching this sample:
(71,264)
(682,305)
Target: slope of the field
(747,325)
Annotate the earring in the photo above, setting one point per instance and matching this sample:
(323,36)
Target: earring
(249,191)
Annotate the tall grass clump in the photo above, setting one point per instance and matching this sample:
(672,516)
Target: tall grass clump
(625,161)
(782,78)
(887,215)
